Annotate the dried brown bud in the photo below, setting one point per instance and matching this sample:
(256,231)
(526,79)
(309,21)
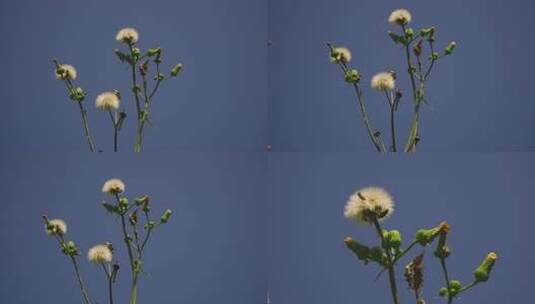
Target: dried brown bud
(414,273)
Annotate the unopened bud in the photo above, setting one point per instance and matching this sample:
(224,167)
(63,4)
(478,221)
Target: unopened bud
(176,69)
(352,76)
(482,273)
(362,252)
(165,217)
(450,48)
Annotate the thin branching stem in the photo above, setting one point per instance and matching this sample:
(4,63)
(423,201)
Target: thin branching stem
(390,261)
(83,112)
(374,137)
(446,278)
(411,142)
(80,280)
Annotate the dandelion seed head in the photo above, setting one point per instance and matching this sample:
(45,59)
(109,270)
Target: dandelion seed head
(99,254)
(107,101)
(56,227)
(113,186)
(66,71)
(367,203)
(383,81)
(400,17)
(340,54)
(127,35)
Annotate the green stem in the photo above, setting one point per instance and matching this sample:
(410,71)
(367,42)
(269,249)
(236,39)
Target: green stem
(133,293)
(80,281)
(392,123)
(467,287)
(446,277)
(390,266)
(377,143)
(83,112)
(411,142)
(115,130)
(108,273)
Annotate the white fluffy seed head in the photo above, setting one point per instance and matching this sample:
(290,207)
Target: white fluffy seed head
(56,227)
(127,35)
(99,254)
(400,17)
(66,71)
(367,203)
(340,54)
(383,81)
(107,101)
(113,186)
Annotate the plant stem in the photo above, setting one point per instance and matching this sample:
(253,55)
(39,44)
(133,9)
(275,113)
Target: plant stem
(83,112)
(390,266)
(411,142)
(108,273)
(379,146)
(446,277)
(115,130)
(392,124)
(133,293)
(80,281)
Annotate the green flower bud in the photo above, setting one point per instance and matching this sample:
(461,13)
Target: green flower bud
(392,239)
(77,94)
(150,225)
(142,200)
(434,56)
(442,251)
(482,273)
(425,32)
(165,217)
(352,76)
(122,56)
(176,69)
(69,248)
(110,208)
(409,34)
(159,77)
(443,292)
(123,204)
(455,285)
(362,252)
(136,52)
(377,255)
(427,236)
(396,38)
(154,51)
(428,33)
(450,48)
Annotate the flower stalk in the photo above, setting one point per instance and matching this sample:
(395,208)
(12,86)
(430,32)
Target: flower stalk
(67,73)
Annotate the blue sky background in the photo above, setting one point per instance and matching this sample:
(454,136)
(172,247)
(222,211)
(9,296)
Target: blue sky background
(485,197)
(480,98)
(219,103)
(210,252)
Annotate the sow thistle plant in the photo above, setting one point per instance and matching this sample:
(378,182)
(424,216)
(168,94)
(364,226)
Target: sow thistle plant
(136,226)
(419,69)
(371,206)
(146,78)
